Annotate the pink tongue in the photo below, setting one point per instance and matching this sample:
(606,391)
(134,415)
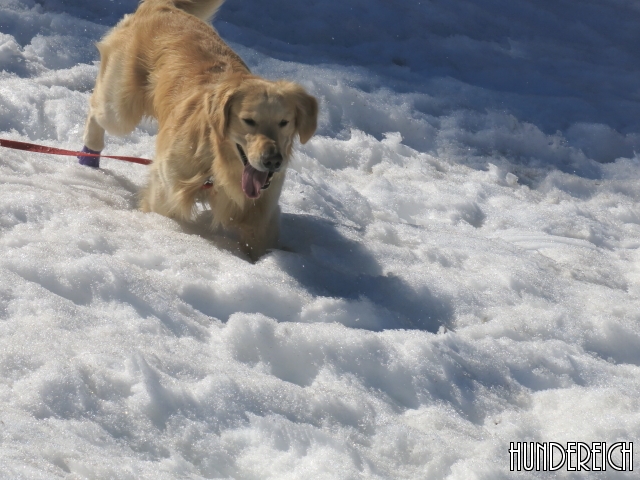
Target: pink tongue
(252,181)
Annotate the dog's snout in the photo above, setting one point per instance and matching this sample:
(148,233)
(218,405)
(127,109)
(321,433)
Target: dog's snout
(273,162)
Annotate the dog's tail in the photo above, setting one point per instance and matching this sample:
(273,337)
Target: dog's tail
(203,9)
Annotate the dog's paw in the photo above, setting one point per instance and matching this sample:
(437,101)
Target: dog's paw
(88,161)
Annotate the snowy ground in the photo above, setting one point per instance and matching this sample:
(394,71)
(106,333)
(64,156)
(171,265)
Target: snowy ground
(460,265)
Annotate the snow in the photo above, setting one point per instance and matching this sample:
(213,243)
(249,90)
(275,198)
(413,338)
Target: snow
(460,261)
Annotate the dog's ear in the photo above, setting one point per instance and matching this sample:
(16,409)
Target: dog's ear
(219,102)
(306,114)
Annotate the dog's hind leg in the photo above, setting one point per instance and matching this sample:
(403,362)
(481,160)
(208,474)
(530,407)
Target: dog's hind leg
(111,113)
(93,133)
(117,104)
(93,142)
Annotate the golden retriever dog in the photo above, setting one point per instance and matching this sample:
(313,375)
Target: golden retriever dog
(225,136)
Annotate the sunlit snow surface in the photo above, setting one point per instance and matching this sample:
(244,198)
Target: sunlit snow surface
(459,265)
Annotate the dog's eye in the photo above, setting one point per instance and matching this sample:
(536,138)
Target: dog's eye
(283,123)
(249,121)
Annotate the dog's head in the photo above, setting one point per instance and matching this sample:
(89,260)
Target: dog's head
(262,119)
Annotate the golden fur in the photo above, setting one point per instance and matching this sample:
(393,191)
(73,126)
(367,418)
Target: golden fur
(164,61)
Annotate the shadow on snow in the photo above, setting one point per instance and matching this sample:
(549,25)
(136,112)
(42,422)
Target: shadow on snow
(327,263)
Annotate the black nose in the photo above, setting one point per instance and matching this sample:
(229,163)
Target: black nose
(273,162)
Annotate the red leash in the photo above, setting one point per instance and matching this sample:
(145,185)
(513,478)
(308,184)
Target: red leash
(31,147)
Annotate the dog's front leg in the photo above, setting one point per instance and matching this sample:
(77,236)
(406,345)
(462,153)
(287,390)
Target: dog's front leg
(154,196)
(257,238)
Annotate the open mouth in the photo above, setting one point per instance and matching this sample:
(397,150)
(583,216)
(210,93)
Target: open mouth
(253,180)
